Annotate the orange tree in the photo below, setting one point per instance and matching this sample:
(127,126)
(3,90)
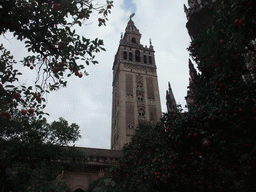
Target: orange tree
(30,148)
(47,28)
(32,154)
(212,146)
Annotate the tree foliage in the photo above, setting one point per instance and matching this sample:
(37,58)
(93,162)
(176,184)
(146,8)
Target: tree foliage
(104,184)
(47,29)
(32,153)
(212,146)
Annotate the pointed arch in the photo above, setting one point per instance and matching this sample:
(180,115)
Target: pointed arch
(130,56)
(139,86)
(125,55)
(137,56)
(133,40)
(140,97)
(141,113)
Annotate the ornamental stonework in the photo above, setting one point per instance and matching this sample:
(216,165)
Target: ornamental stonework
(130,126)
(150,88)
(129,85)
(139,68)
(139,80)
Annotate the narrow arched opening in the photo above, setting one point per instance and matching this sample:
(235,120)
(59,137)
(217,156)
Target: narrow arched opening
(133,40)
(137,56)
(79,190)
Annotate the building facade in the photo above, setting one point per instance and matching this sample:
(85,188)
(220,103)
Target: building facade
(79,179)
(135,87)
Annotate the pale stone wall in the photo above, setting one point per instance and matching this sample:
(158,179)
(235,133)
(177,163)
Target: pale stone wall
(80,180)
(93,169)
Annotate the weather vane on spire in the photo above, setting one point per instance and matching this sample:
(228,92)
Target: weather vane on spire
(132,15)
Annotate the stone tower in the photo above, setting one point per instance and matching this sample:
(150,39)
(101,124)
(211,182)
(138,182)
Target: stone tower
(135,87)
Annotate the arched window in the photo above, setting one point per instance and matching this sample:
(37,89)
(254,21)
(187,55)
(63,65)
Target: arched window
(137,56)
(145,58)
(125,55)
(133,40)
(141,113)
(130,56)
(150,59)
(140,97)
(139,86)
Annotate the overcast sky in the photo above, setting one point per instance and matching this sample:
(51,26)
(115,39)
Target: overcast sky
(87,101)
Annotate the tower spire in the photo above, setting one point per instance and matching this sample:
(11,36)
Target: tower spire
(132,34)
(170,100)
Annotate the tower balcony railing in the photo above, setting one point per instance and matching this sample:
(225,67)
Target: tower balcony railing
(139,88)
(140,102)
(142,117)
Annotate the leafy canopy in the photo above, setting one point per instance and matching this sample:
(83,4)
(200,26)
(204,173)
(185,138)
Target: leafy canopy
(32,152)
(57,51)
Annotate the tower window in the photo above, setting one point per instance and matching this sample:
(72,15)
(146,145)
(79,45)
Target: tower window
(130,56)
(133,40)
(140,97)
(125,55)
(137,56)
(150,59)
(141,113)
(145,58)
(139,86)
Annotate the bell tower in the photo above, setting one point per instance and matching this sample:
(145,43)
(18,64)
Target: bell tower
(135,87)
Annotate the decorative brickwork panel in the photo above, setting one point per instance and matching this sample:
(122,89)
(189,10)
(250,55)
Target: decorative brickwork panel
(130,126)
(150,88)
(115,98)
(152,114)
(143,69)
(139,86)
(139,79)
(117,91)
(129,85)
